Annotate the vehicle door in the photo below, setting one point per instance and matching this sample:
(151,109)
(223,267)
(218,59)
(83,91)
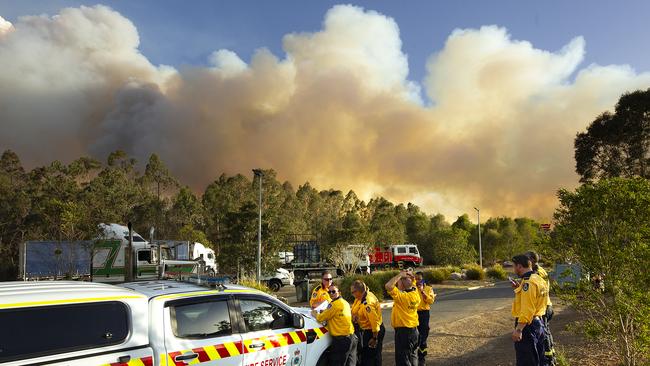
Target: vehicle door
(269,337)
(202,330)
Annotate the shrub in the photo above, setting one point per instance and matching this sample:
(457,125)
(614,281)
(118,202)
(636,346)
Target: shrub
(497,272)
(435,275)
(373,282)
(474,272)
(253,284)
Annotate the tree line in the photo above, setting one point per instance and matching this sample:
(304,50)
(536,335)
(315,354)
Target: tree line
(67,202)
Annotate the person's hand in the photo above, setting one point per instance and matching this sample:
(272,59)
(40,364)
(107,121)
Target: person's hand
(516,335)
(314,313)
(372,343)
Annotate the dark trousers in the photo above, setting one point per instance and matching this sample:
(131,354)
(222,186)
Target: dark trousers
(370,356)
(342,352)
(406,344)
(423,331)
(530,350)
(549,347)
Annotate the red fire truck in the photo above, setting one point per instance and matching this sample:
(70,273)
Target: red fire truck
(399,255)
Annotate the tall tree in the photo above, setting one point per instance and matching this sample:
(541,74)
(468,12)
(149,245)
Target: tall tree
(617,144)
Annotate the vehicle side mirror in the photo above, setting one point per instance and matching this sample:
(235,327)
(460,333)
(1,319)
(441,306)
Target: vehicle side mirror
(297,321)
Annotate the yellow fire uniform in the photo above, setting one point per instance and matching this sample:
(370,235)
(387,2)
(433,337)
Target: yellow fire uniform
(405,308)
(339,318)
(544,275)
(368,312)
(318,295)
(530,298)
(426,298)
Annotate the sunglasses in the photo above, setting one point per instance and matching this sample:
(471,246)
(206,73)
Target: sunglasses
(333,291)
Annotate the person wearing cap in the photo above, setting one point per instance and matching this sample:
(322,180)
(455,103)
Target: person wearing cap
(528,307)
(404,317)
(338,315)
(427,296)
(366,313)
(320,292)
(549,348)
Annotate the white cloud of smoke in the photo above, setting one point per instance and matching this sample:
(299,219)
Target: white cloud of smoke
(337,109)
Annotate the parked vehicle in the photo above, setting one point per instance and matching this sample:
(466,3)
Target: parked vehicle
(396,256)
(102,260)
(356,258)
(307,260)
(192,251)
(153,324)
(280,278)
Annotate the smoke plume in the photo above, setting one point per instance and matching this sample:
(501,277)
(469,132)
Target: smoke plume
(337,109)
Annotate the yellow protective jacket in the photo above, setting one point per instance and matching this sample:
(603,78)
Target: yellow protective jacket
(338,317)
(368,312)
(530,298)
(405,308)
(318,295)
(426,298)
(544,275)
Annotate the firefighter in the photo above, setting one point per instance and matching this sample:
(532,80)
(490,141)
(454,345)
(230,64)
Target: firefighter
(404,317)
(366,313)
(427,296)
(549,349)
(320,292)
(528,307)
(338,315)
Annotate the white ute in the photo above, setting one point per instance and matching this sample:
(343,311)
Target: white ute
(154,323)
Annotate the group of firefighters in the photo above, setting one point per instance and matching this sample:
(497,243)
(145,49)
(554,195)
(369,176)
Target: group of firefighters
(357,331)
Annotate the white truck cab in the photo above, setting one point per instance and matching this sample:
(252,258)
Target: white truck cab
(153,323)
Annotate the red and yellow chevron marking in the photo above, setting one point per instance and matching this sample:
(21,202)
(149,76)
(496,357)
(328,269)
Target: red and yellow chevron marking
(144,361)
(232,349)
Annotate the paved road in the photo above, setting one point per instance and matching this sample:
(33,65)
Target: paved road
(455,306)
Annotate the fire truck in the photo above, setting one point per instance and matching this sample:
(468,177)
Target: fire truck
(395,256)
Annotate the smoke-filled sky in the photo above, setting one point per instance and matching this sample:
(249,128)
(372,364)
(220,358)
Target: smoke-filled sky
(489,124)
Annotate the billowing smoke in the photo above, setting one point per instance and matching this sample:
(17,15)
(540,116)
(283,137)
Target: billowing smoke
(337,109)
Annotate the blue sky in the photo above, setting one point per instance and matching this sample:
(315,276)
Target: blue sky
(186,32)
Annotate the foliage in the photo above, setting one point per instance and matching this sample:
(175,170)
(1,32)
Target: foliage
(435,275)
(450,246)
(253,284)
(604,227)
(617,144)
(373,281)
(474,272)
(497,272)
(67,202)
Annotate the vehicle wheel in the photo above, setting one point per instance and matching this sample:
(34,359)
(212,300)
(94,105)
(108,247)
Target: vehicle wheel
(275,285)
(322,361)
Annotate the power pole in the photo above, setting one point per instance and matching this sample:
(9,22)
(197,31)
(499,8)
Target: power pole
(480,250)
(259,173)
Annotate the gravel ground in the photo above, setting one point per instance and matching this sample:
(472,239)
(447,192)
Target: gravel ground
(484,339)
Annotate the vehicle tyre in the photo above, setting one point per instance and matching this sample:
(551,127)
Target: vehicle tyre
(322,361)
(275,285)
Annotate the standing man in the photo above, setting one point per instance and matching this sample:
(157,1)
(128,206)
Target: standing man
(320,292)
(427,296)
(338,316)
(549,348)
(366,312)
(528,308)
(404,317)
